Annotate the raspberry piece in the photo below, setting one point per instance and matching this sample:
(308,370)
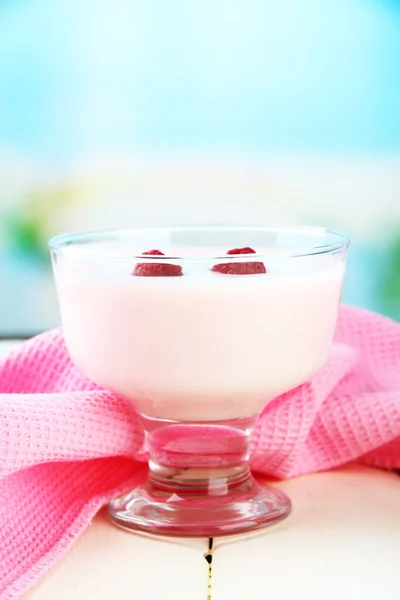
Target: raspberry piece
(246,250)
(153,253)
(242,268)
(154,269)
(157,270)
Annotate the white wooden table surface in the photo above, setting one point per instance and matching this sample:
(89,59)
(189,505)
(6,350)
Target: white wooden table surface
(341,542)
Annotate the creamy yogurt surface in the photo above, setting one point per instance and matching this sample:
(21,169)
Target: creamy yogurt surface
(202,347)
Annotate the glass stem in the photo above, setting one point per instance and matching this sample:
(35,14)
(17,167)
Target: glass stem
(210,457)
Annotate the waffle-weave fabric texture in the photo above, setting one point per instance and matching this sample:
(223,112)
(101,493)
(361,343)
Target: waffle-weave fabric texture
(68,446)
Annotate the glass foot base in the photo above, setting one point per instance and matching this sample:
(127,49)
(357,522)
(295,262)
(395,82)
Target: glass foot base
(224,510)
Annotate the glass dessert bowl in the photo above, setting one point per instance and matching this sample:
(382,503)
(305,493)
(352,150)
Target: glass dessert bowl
(199,328)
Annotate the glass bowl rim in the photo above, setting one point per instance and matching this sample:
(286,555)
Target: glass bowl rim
(58,242)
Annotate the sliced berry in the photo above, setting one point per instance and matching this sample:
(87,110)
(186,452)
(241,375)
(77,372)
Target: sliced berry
(240,268)
(155,269)
(153,253)
(244,268)
(246,250)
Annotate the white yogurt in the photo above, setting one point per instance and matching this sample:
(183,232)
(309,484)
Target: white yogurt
(202,347)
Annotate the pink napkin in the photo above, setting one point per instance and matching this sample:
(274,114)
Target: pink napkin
(67,446)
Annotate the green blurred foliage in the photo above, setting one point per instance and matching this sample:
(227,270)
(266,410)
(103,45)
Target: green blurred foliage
(389,286)
(27,228)
(24,235)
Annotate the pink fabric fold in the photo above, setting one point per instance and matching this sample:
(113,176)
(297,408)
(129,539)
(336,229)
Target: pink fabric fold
(67,446)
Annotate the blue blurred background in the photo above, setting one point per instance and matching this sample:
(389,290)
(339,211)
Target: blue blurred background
(138,112)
